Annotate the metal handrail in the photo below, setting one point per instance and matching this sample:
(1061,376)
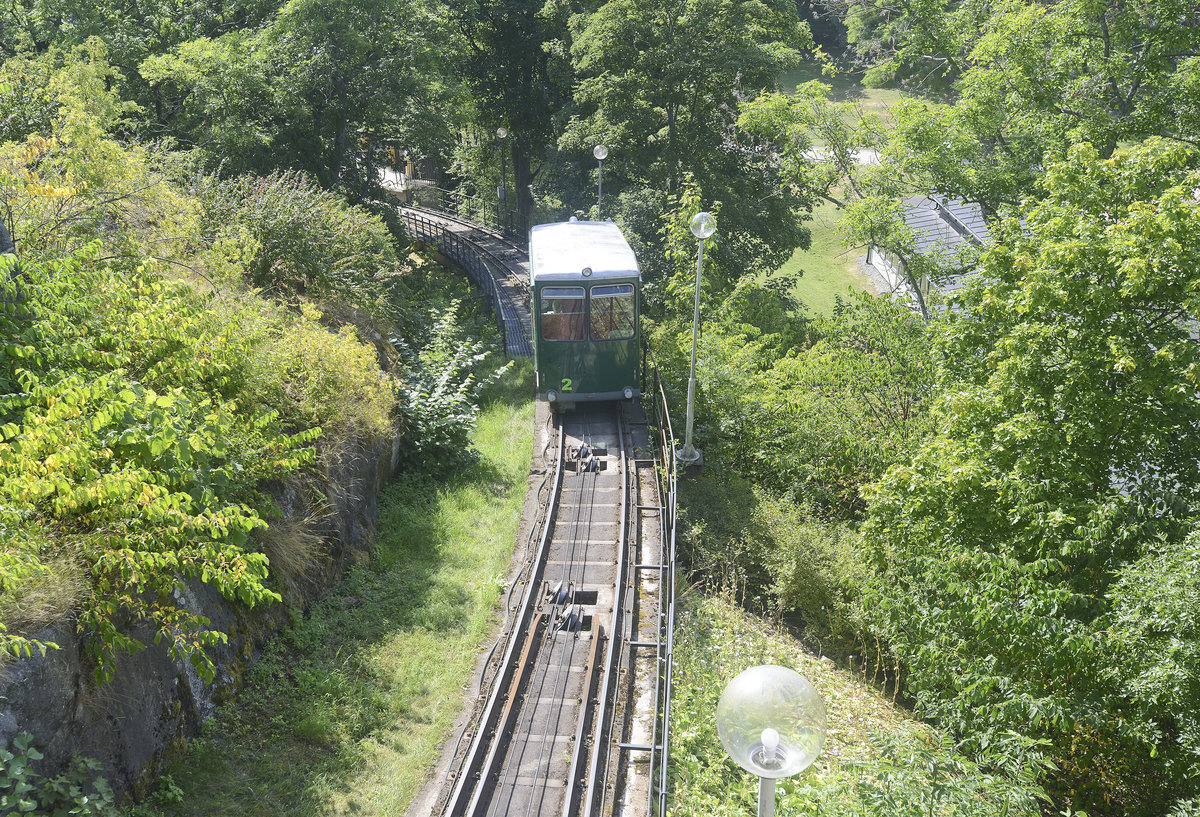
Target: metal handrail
(520,282)
(465,254)
(477,210)
(668,486)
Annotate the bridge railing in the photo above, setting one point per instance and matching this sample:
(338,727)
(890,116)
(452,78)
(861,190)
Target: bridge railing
(472,258)
(494,215)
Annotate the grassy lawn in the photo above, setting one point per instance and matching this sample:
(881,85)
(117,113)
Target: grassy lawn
(878,760)
(845,86)
(826,269)
(348,708)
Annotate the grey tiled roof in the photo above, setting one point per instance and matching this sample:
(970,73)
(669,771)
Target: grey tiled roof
(942,226)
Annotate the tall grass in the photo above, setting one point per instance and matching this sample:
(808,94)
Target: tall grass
(878,761)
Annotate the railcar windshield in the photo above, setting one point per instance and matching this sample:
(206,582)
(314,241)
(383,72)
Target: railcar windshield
(613,312)
(562,313)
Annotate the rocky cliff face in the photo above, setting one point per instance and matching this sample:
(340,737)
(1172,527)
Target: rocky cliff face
(143,718)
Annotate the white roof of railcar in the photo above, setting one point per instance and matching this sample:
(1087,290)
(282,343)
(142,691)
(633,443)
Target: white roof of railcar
(559,252)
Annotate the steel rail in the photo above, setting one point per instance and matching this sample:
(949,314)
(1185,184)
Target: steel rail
(465,792)
(583,502)
(600,744)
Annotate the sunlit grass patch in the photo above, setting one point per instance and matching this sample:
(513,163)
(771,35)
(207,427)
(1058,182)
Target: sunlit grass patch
(878,759)
(827,269)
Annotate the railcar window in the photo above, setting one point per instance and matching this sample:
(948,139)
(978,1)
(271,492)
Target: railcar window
(613,313)
(562,313)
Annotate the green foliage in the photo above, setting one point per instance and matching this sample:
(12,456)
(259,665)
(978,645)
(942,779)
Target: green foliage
(779,557)
(814,415)
(298,85)
(305,241)
(515,61)
(139,416)
(876,762)
(321,379)
(661,84)
(1153,654)
(1065,454)
(1023,79)
(132,467)
(440,390)
(352,704)
(72,86)
(77,791)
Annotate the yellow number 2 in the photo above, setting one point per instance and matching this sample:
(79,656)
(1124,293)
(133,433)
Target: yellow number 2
(566,384)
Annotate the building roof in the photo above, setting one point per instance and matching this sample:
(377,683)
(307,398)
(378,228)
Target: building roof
(560,252)
(944,225)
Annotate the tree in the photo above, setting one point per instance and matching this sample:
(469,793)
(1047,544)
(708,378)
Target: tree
(1024,79)
(519,76)
(661,83)
(1068,448)
(818,145)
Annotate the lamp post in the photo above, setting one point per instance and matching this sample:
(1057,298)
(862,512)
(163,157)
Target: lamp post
(772,723)
(501,133)
(601,153)
(702,226)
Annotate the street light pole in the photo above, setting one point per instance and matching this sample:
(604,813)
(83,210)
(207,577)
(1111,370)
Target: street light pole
(703,225)
(501,133)
(601,153)
(772,723)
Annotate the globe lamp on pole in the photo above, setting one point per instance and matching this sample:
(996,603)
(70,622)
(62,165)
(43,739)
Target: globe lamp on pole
(501,135)
(772,723)
(601,153)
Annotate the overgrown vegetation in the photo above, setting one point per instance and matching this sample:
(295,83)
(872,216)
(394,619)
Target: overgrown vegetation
(877,760)
(347,710)
(1016,519)
(166,356)
(1065,456)
(76,791)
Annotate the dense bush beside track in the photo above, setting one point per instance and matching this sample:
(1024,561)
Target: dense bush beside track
(1026,563)
(811,409)
(167,349)
(1038,554)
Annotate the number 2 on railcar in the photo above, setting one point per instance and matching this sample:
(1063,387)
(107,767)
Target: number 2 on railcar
(585,282)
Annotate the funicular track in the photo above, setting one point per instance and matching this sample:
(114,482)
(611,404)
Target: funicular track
(571,722)
(493,263)
(574,698)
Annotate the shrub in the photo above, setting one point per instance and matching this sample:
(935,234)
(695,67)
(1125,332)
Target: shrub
(142,487)
(815,422)
(817,574)
(77,791)
(440,389)
(307,241)
(315,377)
(779,557)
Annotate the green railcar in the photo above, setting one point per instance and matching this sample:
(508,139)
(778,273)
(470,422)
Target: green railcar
(587,339)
